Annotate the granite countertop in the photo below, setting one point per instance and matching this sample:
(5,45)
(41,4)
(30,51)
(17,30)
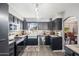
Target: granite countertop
(10,42)
(73,47)
(19,38)
(22,36)
(53,36)
(49,35)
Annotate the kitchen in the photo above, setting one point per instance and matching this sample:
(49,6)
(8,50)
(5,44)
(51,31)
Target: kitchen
(29,33)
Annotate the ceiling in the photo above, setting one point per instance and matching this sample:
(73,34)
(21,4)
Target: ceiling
(45,10)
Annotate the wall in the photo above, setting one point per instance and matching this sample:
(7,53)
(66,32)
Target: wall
(72,10)
(12,11)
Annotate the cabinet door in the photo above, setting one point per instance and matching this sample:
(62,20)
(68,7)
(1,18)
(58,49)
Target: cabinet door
(10,17)
(25,25)
(11,49)
(50,25)
(58,24)
(57,43)
(54,25)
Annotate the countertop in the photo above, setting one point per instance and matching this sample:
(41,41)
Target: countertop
(20,38)
(73,47)
(54,36)
(50,35)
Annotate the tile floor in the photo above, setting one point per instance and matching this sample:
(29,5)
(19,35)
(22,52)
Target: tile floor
(42,50)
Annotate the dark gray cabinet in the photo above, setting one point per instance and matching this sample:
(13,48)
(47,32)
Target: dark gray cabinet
(58,23)
(47,40)
(50,27)
(50,24)
(25,26)
(55,24)
(20,46)
(32,41)
(56,43)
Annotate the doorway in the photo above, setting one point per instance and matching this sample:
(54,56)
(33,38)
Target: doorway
(70,30)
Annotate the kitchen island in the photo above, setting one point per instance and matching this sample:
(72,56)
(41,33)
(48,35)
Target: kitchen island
(72,50)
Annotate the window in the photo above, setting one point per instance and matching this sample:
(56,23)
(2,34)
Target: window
(32,26)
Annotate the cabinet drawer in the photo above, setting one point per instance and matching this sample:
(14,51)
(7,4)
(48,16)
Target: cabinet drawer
(11,52)
(11,45)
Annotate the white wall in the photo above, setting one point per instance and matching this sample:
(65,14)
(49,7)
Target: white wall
(72,11)
(12,11)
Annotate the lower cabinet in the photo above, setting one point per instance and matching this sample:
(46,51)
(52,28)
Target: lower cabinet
(11,49)
(19,48)
(56,43)
(47,40)
(32,41)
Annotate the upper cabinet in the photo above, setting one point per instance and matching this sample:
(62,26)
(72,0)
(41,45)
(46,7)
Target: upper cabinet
(15,24)
(50,24)
(55,24)
(10,17)
(25,25)
(58,23)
